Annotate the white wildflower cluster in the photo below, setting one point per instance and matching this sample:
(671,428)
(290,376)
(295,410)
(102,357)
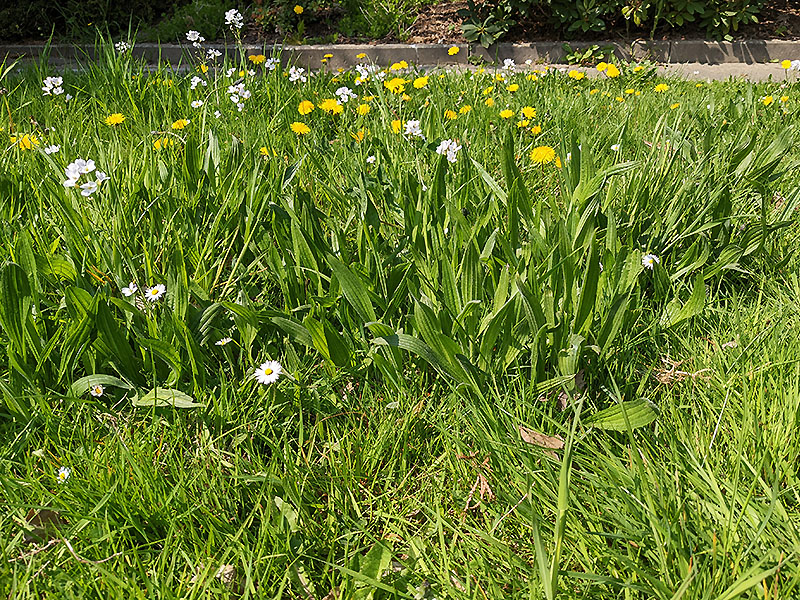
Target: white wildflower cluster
(234,19)
(509,65)
(197,81)
(213,54)
(195,37)
(366,70)
(795,65)
(238,95)
(79,167)
(122,46)
(197,103)
(297,74)
(449,149)
(271,64)
(414,130)
(52,149)
(52,86)
(344,94)
(153,293)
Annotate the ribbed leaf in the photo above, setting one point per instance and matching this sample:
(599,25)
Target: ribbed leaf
(640,412)
(353,289)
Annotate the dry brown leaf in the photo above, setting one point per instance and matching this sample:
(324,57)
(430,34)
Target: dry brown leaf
(539,439)
(42,525)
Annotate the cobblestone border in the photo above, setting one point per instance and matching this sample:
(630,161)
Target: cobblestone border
(345,55)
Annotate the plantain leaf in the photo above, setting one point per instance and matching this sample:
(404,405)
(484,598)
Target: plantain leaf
(163,397)
(640,412)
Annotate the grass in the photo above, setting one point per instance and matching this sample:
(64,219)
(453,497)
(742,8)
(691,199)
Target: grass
(423,311)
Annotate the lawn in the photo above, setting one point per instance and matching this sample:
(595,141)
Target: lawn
(382,333)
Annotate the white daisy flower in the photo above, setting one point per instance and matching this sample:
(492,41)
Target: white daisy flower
(154,293)
(97,390)
(649,261)
(197,103)
(63,474)
(371,159)
(223,342)
(130,290)
(52,149)
(268,372)
(615,147)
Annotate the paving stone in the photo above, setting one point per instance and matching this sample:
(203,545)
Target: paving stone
(650,50)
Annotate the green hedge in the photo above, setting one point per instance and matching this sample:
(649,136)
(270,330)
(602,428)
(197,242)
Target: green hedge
(38,18)
(489,20)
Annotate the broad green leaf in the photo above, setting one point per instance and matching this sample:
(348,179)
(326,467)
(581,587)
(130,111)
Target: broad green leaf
(15,304)
(640,412)
(353,289)
(675,314)
(163,397)
(82,386)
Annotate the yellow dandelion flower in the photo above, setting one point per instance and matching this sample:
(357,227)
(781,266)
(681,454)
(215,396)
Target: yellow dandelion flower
(786,64)
(541,155)
(305,107)
(531,77)
(298,10)
(488,90)
(300,128)
(398,66)
(661,87)
(528,112)
(361,55)
(162,142)
(327,55)
(358,135)
(674,105)
(523,123)
(465,109)
(453,50)
(331,106)
(362,109)
(450,114)
(256,59)
(203,68)
(396,85)
(180,123)
(397,125)
(612,71)
(784,98)
(601,66)
(506,113)
(767,100)
(513,88)
(592,92)
(115,119)
(489,102)
(536,130)
(26,142)
(630,91)
(405,97)
(420,82)
(575,74)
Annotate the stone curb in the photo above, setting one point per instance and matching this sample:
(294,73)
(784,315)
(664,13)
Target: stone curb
(346,55)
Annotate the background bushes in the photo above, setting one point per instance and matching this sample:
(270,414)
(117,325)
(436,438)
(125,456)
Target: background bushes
(487,21)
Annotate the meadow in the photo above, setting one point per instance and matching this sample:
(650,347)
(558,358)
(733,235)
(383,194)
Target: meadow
(384,333)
